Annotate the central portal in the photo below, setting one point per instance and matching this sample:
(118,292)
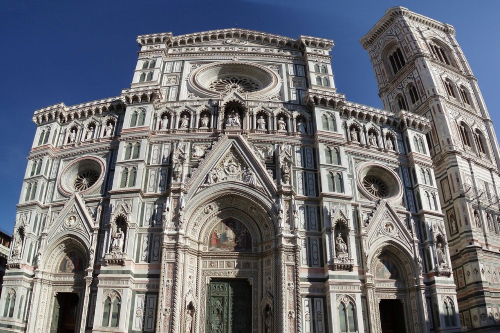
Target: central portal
(392,317)
(229,306)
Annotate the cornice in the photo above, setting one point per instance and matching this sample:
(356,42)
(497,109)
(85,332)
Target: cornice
(60,111)
(237,35)
(390,17)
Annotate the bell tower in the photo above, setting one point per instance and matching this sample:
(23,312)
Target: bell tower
(420,68)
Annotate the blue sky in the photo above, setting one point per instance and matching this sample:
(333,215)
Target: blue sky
(73,52)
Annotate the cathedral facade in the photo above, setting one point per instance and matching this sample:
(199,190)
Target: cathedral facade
(233,189)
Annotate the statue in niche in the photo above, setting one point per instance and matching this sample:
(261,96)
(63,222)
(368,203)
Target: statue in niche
(268,319)
(354,135)
(301,127)
(164,123)
(233,119)
(477,220)
(340,246)
(372,139)
(145,248)
(281,124)
(189,317)
(184,122)
(18,244)
(285,161)
(109,129)
(453,224)
(179,157)
(72,136)
(204,121)
(90,133)
(388,143)
(261,123)
(440,255)
(117,241)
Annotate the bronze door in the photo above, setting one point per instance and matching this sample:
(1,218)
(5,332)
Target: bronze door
(229,307)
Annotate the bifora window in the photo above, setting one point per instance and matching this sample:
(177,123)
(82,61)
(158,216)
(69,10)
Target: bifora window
(397,60)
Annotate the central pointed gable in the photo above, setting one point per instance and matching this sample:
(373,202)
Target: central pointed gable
(74,218)
(232,159)
(386,225)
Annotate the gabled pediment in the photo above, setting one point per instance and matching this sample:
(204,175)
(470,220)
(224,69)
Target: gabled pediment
(232,159)
(75,219)
(385,224)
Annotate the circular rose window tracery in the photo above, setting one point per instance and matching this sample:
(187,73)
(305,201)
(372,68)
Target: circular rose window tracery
(375,186)
(377,181)
(81,175)
(85,179)
(213,79)
(230,83)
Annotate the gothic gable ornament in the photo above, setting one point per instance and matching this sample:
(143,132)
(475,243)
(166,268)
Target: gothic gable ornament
(74,218)
(231,160)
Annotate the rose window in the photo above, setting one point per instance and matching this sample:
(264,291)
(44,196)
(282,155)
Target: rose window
(85,180)
(230,83)
(375,186)
(81,175)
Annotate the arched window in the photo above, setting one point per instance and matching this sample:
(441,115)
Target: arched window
(332,123)
(429,176)
(478,136)
(40,140)
(339,185)
(47,134)
(142,117)
(331,182)
(33,191)
(450,89)
(316,68)
(412,91)
(424,176)
(150,76)
(323,69)
(397,60)
(142,78)
(28,192)
(449,313)
(325,122)
(145,64)
(464,133)
(128,151)
(326,83)
(401,102)
(136,150)
(439,53)
(132,177)
(133,119)
(123,181)
(328,156)
(115,313)
(106,312)
(347,318)
(152,64)
(318,80)
(10,301)
(418,142)
(336,156)
(33,167)
(464,95)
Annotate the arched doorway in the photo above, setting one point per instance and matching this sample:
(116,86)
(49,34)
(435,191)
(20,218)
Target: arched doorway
(60,306)
(395,307)
(232,278)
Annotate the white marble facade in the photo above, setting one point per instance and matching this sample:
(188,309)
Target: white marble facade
(233,161)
